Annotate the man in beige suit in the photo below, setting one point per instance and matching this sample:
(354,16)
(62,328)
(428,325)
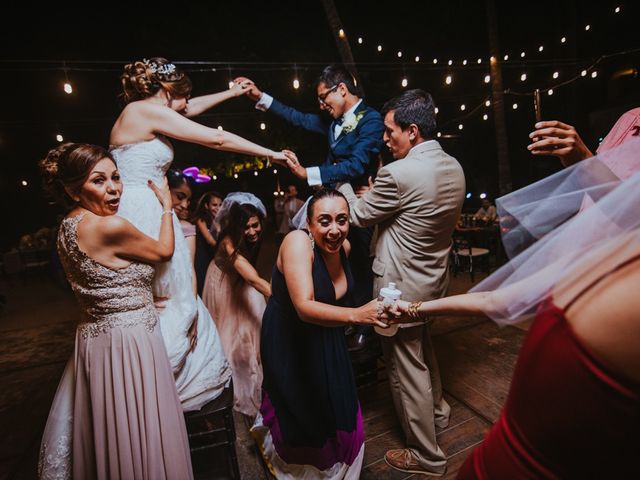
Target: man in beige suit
(415,202)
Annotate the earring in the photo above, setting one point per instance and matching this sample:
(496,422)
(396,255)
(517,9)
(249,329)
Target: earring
(313,242)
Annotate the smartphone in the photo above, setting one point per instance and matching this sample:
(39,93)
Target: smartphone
(536,104)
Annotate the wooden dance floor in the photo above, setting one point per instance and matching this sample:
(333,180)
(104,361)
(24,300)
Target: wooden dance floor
(36,339)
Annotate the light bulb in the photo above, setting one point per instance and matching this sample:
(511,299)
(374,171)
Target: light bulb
(404,82)
(59,138)
(263,126)
(487,79)
(296,83)
(448,80)
(485,117)
(68,89)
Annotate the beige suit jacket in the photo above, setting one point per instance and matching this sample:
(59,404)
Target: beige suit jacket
(416,202)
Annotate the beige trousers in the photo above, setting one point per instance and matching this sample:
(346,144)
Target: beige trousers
(416,390)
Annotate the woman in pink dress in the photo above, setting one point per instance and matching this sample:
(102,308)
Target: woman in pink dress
(235,295)
(116,413)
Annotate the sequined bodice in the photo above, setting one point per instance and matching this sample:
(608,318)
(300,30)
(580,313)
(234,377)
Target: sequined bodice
(108,297)
(142,161)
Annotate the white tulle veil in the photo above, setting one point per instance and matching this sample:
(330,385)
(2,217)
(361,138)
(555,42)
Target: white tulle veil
(561,224)
(299,220)
(241,198)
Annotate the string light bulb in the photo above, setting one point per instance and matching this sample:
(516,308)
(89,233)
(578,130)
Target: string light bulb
(24,183)
(485,117)
(515,106)
(341,33)
(583,73)
(450,62)
(487,103)
(263,126)
(522,54)
(275,170)
(436,110)
(59,138)
(360,40)
(448,79)
(563,39)
(487,78)
(460,126)
(594,74)
(587,28)
(506,57)
(541,48)
(220,127)
(556,74)
(464,62)
(399,54)
(379,48)
(296,83)
(255,173)
(550,91)
(617,10)
(439,134)
(523,77)
(235,175)
(215,177)
(435,60)
(68,89)
(404,82)
(417,58)
(479,61)
(463,107)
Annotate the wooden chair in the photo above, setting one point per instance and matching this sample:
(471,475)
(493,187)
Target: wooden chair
(212,438)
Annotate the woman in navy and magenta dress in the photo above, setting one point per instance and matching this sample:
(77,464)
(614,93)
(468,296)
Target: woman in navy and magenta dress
(310,424)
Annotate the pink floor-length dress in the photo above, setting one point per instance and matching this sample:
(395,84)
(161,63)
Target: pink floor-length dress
(237,310)
(116,413)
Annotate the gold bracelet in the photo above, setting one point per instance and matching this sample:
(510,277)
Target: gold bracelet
(412,311)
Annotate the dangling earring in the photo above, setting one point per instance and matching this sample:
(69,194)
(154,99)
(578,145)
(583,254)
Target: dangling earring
(313,242)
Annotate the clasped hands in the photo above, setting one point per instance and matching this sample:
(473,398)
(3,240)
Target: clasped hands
(383,315)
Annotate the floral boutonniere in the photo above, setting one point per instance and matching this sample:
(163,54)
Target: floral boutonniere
(350,124)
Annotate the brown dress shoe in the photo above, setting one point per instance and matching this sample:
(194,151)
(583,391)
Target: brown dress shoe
(402,459)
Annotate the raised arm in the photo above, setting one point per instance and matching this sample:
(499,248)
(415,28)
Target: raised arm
(198,105)
(295,261)
(560,140)
(167,122)
(129,243)
(246,270)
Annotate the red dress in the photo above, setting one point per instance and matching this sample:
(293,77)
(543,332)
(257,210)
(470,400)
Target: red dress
(567,415)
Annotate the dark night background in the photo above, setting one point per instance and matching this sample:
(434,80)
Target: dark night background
(273,42)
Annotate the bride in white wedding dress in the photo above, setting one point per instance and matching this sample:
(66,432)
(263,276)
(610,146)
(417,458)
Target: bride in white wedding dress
(157,101)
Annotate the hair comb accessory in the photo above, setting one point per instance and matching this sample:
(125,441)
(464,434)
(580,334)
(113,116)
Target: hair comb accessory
(166,72)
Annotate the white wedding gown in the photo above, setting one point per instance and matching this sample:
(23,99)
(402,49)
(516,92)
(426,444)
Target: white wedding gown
(200,375)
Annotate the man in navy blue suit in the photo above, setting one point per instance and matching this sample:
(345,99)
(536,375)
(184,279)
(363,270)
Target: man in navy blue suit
(354,131)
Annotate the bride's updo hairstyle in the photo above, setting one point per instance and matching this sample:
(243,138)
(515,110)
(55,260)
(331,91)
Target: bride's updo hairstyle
(67,167)
(142,79)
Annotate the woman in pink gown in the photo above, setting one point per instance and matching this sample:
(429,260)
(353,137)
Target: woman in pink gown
(116,413)
(234,294)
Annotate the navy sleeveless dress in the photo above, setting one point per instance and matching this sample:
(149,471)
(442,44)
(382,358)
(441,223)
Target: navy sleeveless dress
(309,424)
